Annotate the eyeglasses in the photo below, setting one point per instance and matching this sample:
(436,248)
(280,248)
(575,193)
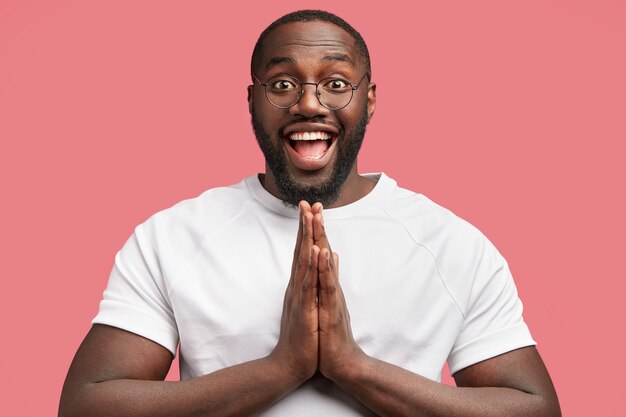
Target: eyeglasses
(334,93)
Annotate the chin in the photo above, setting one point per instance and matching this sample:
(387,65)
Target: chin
(323,185)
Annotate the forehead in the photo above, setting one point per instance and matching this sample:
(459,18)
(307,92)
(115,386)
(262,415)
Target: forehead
(307,43)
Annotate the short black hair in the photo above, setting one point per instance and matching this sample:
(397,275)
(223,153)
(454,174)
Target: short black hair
(310,16)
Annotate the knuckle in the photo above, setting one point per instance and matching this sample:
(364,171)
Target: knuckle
(331,290)
(341,318)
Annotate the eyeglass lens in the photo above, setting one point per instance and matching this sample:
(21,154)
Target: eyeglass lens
(332,93)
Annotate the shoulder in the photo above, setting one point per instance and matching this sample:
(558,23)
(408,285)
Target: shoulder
(432,225)
(193,219)
(464,256)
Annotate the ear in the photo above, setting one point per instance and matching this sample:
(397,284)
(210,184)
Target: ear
(371,101)
(250,97)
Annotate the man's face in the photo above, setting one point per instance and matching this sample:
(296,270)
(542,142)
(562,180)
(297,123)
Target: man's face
(297,167)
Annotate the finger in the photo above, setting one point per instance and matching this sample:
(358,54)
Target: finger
(327,290)
(319,232)
(335,269)
(307,231)
(310,281)
(316,208)
(304,208)
(296,250)
(305,247)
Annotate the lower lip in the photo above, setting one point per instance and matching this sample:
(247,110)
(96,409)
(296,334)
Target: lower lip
(310,163)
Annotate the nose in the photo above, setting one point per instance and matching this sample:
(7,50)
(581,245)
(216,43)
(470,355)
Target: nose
(309,106)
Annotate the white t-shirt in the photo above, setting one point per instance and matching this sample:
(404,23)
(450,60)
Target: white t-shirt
(422,285)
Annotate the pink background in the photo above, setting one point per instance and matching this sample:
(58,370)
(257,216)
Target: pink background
(511,115)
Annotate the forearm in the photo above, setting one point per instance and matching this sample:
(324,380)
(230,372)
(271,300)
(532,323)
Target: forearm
(240,390)
(392,391)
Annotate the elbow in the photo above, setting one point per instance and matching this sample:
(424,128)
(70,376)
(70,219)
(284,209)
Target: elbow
(72,403)
(549,406)
(71,409)
(555,410)
(66,410)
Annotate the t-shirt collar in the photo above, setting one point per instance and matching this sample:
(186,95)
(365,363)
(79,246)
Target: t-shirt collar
(384,186)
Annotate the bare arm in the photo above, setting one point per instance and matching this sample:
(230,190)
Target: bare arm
(513,384)
(116,372)
(119,373)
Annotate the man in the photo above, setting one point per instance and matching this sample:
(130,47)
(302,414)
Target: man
(363,328)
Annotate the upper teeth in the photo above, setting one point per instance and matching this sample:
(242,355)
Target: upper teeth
(309,136)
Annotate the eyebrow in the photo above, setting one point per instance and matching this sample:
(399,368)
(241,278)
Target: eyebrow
(338,57)
(277,60)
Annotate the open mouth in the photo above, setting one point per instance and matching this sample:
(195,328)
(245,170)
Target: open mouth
(310,145)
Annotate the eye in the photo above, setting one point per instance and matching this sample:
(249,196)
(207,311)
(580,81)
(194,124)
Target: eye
(282,84)
(336,85)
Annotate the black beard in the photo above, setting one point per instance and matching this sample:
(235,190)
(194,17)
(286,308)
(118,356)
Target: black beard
(292,192)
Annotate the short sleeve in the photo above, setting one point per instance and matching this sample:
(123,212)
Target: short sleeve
(492,322)
(136,298)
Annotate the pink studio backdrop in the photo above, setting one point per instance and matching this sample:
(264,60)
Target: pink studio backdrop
(511,114)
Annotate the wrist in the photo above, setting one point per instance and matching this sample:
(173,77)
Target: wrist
(292,376)
(351,369)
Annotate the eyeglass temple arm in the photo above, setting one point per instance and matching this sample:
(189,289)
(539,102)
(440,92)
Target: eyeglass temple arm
(354,87)
(260,82)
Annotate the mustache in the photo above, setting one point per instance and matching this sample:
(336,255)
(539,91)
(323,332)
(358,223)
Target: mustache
(317,120)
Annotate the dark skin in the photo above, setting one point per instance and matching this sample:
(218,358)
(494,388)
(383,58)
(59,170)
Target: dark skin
(116,372)
(311,52)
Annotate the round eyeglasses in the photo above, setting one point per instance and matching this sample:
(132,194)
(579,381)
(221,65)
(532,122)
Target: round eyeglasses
(284,91)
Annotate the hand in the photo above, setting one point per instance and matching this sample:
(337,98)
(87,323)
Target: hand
(338,351)
(297,346)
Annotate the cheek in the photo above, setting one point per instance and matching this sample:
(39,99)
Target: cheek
(264,116)
(259,99)
(357,107)
(272,120)
(351,119)
(261,106)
